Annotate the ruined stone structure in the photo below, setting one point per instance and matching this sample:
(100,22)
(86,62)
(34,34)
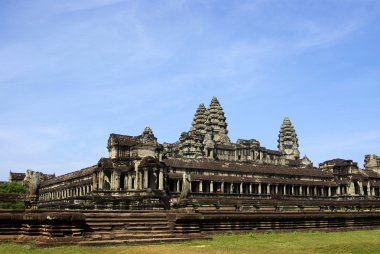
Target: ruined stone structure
(202,183)
(372,162)
(16,177)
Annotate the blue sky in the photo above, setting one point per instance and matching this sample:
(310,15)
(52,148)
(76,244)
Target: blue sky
(72,72)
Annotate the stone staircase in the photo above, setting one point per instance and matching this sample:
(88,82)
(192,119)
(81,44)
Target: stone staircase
(129,228)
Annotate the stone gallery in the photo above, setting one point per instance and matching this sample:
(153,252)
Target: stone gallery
(201,183)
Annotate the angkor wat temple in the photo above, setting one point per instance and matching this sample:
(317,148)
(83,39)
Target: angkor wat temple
(204,168)
(204,183)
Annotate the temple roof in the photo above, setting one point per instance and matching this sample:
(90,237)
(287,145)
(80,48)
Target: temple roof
(369,173)
(16,176)
(123,140)
(246,168)
(70,176)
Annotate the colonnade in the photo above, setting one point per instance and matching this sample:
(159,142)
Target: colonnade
(258,188)
(140,179)
(66,193)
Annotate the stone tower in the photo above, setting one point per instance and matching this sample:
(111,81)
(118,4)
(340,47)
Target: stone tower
(216,121)
(209,128)
(190,143)
(199,120)
(288,141)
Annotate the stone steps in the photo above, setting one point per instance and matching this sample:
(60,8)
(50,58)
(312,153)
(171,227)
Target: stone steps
(128,235)
(134,228)
(134,241)
(128,226)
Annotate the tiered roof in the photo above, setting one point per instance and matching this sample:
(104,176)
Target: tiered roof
(199,120)
(287,140)
(217,121)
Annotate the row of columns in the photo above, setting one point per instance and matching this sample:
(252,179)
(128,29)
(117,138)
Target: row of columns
(138,180)
(259,188)
(66,193)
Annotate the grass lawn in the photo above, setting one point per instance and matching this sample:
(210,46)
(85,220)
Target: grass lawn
(367,241)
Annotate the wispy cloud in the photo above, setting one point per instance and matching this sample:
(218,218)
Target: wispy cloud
(74,5)
(316,34)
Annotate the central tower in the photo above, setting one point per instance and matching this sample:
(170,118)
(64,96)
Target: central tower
(288,141)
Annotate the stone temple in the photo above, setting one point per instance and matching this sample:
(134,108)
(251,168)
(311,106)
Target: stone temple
(204,183)
(202,169)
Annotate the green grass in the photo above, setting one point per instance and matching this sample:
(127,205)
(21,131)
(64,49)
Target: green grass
(297,242)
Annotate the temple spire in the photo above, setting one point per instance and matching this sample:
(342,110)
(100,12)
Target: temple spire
(217,122)
(288,141)
(199,120)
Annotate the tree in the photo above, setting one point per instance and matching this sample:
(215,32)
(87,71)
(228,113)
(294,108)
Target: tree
(12,188)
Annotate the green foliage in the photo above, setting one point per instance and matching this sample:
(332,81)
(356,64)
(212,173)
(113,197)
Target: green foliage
(12,187)
(12,205)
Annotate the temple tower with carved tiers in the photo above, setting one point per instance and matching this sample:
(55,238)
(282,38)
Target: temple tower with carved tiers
(217,121)
(199,120)
(288,141)
(209,128)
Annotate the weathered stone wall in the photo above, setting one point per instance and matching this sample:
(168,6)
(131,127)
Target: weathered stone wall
(188,222)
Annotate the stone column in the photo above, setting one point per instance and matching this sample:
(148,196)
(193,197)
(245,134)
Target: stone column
(129,186)
(222,187)
(329,191)
(178,186)
(211,186)
(276,189)
(94,180)
(292,190)
(138,176)
(284,189)
(201,186)
(338,190)
(351,189)
(259,188)
(250,188)
(369,193)
(161,180)
(126,184)
(146,179)
(268,188)
(241,188)
(361,191)
(232,188)
(112,180)
(116,180)
(140,180)
(101,180)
